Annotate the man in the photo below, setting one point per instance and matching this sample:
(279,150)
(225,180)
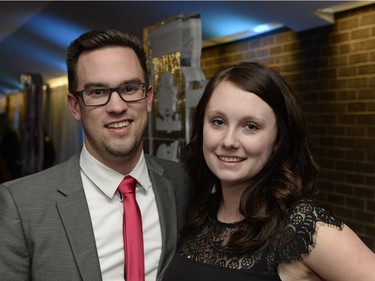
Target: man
(65,223)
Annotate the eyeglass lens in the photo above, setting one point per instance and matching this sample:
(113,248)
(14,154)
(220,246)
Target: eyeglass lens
(100,96)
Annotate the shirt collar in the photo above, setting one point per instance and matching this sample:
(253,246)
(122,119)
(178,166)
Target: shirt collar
(107,179)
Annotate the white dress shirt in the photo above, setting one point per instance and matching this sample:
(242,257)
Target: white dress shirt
(106,210)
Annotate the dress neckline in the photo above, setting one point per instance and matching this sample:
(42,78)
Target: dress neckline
(225,224)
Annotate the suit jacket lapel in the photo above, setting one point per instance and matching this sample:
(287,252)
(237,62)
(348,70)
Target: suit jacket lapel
(75,216)
(164,199)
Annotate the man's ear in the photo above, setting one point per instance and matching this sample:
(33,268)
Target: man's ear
(149,97)
(74,107)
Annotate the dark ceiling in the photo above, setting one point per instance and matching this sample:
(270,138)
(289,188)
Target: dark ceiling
(35,34)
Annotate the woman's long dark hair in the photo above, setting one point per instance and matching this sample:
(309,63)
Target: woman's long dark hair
(288,175)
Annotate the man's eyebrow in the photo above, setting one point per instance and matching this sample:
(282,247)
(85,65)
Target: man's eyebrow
(134,80)
(105,85)
(93,84)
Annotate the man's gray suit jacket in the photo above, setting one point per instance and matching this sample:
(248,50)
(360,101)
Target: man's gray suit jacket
(45,227)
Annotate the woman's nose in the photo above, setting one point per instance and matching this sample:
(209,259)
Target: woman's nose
(230,139)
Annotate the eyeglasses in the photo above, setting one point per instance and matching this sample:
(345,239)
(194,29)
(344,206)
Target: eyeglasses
(95,96)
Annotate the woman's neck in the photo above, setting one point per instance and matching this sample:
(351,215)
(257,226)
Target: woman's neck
(229,210)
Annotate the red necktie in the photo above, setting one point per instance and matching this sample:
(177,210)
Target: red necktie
(132,231)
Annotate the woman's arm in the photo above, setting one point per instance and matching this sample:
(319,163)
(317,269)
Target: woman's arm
(340,255)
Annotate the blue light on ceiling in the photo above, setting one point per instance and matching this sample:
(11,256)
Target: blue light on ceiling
(36,53)
(9,84)
(262,28)
(55,30)
(228,25)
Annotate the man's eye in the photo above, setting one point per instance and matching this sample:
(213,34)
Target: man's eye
(95,92)
(129,89)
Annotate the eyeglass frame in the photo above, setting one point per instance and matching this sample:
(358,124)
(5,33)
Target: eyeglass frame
(112,90)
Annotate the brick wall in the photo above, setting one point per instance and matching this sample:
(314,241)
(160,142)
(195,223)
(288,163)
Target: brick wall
(332,70)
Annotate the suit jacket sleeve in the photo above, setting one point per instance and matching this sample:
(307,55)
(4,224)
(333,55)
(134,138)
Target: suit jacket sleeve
(14,254)
(45,228)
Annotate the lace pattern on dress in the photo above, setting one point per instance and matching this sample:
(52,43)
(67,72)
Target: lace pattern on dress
(297,232)
(295,237)
(209,247)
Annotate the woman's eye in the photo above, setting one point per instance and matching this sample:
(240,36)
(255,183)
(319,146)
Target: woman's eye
(251,126)
(217,122)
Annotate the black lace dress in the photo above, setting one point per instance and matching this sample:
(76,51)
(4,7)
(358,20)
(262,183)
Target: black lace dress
(204,257)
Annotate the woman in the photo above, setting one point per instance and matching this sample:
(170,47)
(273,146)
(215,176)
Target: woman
(252,176)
